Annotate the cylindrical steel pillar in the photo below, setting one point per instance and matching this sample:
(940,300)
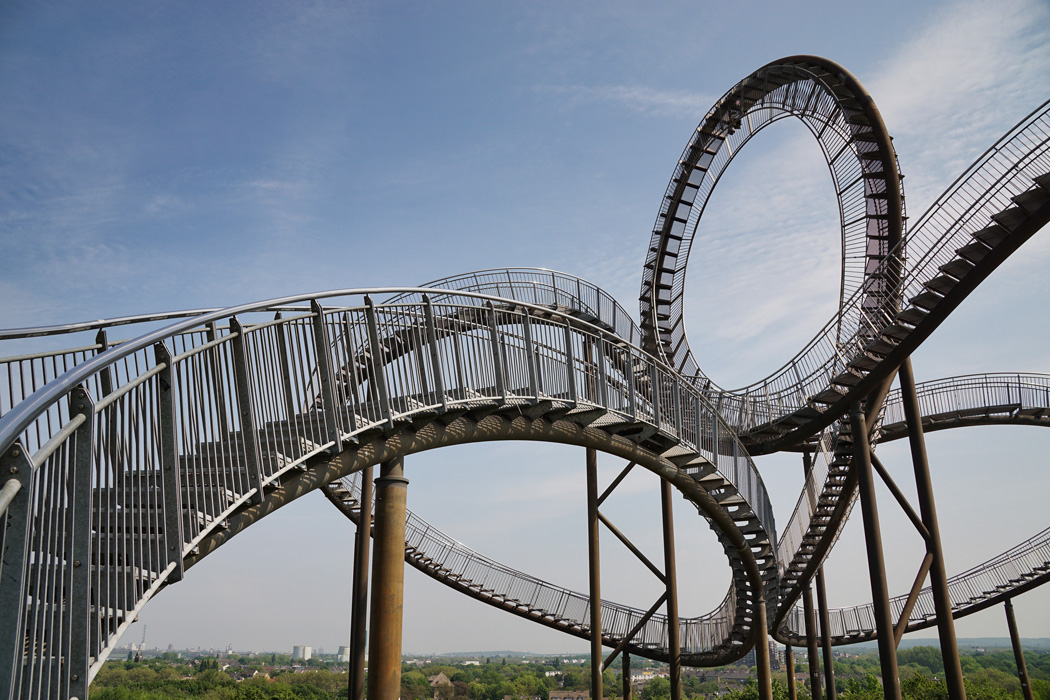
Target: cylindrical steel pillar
(594,569)
(891,683)
(625,673)
(942,603)
(388,583)
(1015,641)
(807,599)
(825,638)
(789,662)
(765,676)
(359,595)
(811,644)
(670,572)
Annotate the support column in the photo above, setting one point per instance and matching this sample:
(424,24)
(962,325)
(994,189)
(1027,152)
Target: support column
(1015,641)
(359,595)
(891,684)
(765,679)
(942,603)
(594,568)
(789,662)
(388,583)
(673,644)
(811,644)
(807,598)
(625,676)
(825,638)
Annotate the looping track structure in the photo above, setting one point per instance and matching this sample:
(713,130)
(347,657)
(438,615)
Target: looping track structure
(127,462)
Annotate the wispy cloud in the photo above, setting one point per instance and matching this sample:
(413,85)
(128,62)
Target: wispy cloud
(637,98)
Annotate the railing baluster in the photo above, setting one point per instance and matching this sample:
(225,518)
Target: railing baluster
(17,471)
(78,612)
(324,370)
(435,356)
(570,365)
(378,366)
(246,411)
(497,356)
(170,468)
(530,359)
(286,381)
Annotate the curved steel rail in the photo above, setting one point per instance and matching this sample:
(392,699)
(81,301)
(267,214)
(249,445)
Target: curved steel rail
(985,399)
(840,113)
(186,447)
(993,208)
(1012,398)
(463,569)
(1012,181)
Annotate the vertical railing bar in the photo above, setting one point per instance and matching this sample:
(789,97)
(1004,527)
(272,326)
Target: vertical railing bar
(530,359)
(435,356)
(378,374)
(16,467)
(78,611)
(603,376)
(246,411)
(172,493)
(324,369)
(570,365)
(632,394)
(285,369)
(654,381)
(216,379)
(497,356)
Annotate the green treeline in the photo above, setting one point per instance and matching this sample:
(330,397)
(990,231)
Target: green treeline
(989,676)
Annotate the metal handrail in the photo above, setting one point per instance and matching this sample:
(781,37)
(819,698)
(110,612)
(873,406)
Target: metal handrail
(227,455)
(969,591)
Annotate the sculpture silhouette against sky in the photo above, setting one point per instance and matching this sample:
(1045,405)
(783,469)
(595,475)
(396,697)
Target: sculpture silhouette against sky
(126,464)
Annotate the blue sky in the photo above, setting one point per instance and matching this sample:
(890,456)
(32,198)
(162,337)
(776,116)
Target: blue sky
(157,156)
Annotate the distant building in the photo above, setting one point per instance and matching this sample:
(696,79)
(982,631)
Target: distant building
(343,656)
(751,659)
(302,653)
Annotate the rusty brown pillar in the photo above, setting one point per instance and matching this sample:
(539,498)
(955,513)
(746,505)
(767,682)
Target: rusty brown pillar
(891,682)
(359,596)
(594,568)
(673,645)
(807,599)
(1015,642)
(388,583)
(789,661)
(765,675)
(625,673)
(825,638)
(942,603)
(813,655)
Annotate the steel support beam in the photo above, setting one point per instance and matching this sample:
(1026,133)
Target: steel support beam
(1015,641)
(17,471)
(942,603)
(825,637)
(674,650)
(765,676)
(815,688)
(359,594)
(594,570)
(807,598)
(79,599)
(388,582)
(789,662)
(891,684)
(625,676)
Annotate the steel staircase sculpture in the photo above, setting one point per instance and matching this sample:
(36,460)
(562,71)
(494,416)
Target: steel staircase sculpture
(125,463)
(975,400)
